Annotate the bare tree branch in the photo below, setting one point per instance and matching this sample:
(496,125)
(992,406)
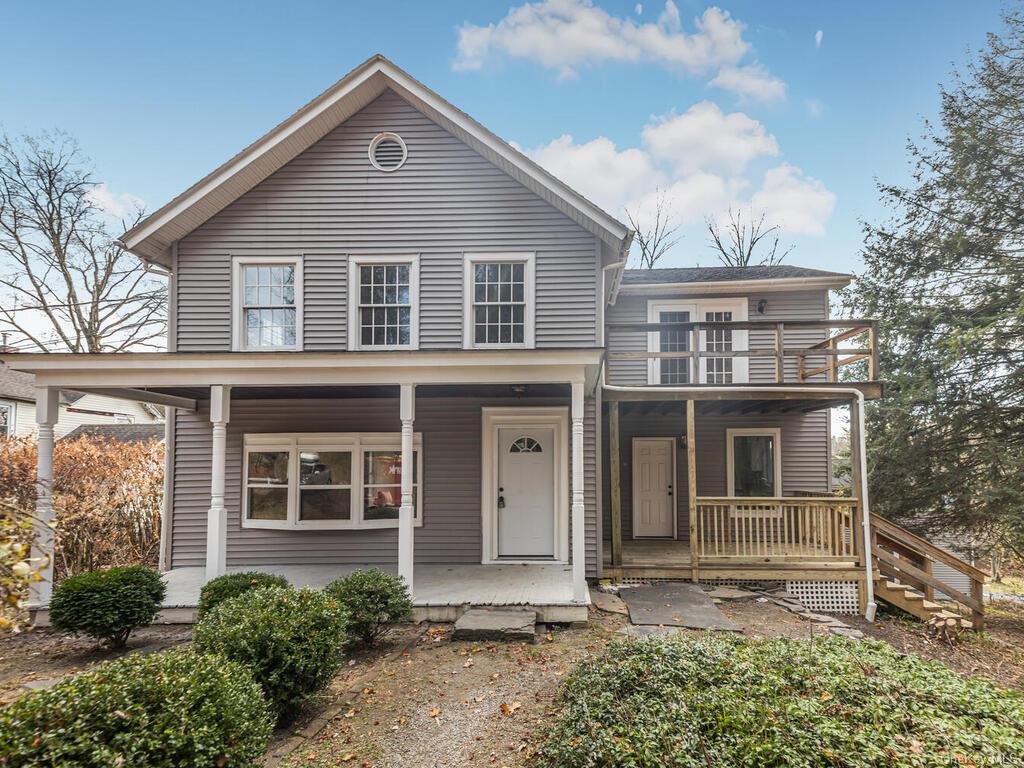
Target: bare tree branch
(654,238)
(740,244)
(68,283)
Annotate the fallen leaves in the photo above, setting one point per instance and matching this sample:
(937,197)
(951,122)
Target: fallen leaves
(508,709)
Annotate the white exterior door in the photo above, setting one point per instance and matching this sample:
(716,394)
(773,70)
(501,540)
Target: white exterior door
(653,481)
(526,492)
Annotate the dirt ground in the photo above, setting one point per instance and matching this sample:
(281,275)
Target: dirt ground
(45,654)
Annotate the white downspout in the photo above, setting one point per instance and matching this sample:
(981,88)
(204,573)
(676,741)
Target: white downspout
(869,614)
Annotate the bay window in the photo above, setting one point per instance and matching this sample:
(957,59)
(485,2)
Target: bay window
(336,480)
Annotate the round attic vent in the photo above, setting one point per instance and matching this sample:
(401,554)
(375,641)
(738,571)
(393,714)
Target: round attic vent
(388,152)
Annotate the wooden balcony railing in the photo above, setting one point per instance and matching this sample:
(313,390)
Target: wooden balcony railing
(827,352)
(781,529)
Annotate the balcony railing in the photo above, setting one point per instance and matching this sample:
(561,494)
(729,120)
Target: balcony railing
(777,529)
(821,357)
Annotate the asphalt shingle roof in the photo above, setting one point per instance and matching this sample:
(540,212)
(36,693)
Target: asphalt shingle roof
(716,274)
(122,433)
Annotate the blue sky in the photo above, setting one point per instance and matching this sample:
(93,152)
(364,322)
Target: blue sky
(742,104)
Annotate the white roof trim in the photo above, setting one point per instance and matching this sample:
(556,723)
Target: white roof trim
(736,286)
(151,238)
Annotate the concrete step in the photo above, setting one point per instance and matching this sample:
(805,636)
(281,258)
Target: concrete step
(510,624)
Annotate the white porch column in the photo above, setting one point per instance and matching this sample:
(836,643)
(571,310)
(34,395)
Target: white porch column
(217,518)
(407,412)
(47,412)
(579,549)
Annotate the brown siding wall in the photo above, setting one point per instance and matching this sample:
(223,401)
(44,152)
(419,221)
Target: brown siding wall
(330,202)
(805,457)
(451,532)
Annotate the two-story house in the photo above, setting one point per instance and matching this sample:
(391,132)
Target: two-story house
(395,340)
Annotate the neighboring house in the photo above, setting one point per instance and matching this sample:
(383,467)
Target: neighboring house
(394,340)
(120,433)
(18,407)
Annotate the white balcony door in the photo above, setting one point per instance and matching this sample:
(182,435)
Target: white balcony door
(653,487)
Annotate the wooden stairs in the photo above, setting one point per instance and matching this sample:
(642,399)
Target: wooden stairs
(905,568)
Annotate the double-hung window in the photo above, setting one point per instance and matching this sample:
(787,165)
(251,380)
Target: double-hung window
(336,480)
(718,370)
(384,297)
(499,291)
(267,303)
(6,419)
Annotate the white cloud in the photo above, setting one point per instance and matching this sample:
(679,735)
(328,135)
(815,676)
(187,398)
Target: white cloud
(638,9)
(117,204)
(565,35)
(704,137)
(752,81)
(599,171)
(814,108)
(798,203)
(817,38)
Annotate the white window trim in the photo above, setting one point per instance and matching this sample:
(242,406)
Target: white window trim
(730,458)
(359,443)
(237,301)
(529,294)
(697,308)
(354,262)
(12,423)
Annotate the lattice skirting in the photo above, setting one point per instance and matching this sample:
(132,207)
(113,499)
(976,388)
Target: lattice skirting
(827,596)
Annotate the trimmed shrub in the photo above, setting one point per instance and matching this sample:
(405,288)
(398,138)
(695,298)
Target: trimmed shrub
(373,599)
(108,604)
(289,639)
(714,700)
(178,709)
(217,590)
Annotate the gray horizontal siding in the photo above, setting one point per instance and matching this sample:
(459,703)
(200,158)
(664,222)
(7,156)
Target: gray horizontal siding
(805,457)
(794,305)
(329,202)
(451,532)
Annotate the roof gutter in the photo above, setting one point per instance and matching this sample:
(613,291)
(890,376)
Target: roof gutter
(618,270)
(718,286)
(872,606)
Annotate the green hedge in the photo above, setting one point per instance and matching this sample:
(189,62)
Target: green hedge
(289,639)
(222,588)
(178,709)
(721,701)
(108,604)
(373,600)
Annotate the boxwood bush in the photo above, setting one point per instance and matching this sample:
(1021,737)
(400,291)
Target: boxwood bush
(721,701)
(178,709)
(108,604)
(221,588)
(373,600)
(290,640)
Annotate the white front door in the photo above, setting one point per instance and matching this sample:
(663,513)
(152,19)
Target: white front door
(526,492)
(653,478)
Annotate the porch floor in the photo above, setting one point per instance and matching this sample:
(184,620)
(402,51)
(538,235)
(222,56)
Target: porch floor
(535,584)
(651,553)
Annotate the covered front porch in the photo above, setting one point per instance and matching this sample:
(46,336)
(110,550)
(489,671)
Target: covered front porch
(727,521)
(442,592)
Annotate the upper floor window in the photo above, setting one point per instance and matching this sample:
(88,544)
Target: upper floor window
(499,291)
(268,303)
(384,297)
(712,368)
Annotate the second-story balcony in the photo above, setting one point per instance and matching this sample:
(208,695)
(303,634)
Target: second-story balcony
(756,352)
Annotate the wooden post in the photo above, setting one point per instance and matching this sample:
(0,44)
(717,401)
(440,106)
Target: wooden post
(856,532)
(406,511)
(780,359)
(873,357)
(832,360)
(578,511)
(217,516)
(926,566)
(44,539)
(615,479)
(978,593)
(695,354)
(691,477)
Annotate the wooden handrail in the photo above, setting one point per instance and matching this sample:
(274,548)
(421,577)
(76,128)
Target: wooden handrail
(740,325)
(914,572)
(912,541)
(839,500)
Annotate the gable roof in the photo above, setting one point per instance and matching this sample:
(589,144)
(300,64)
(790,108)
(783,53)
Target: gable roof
(18,385)
(722,274)
(151,238)
(122,433)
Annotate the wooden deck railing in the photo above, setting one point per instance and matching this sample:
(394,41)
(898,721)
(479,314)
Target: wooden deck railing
(828,350)
(782,528)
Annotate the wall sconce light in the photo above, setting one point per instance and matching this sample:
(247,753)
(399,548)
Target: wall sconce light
(762,305)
